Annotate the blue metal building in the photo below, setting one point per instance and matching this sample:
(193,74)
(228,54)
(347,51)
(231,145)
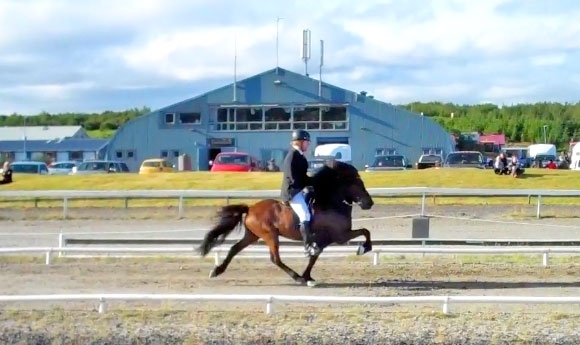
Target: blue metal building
(257,114)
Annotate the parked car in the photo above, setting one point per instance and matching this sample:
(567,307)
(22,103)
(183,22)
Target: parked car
(389,162)
(29,167)
(465,159)
(155,165)
(429,161)
(61,168)
(99,167)
(234,161)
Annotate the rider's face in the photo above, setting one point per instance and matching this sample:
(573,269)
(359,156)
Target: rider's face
(305,145)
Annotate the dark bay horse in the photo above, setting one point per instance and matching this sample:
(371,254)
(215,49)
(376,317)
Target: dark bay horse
(336,187)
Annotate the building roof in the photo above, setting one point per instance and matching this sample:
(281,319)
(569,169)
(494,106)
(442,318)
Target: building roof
(38,132)
(87,145)
(284,74)
(498,139)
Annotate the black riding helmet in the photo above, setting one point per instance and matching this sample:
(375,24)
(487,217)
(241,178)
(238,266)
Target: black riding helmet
(300,134)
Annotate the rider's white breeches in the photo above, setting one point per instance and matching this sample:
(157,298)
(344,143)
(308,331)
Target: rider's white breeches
(299,206)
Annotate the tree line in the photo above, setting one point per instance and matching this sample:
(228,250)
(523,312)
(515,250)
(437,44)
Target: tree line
(520,122)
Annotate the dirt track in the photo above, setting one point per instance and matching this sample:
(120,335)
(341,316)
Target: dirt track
(403,276)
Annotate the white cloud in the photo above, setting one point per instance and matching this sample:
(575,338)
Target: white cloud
(92,55)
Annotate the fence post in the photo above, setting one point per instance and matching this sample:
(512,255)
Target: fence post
(539,209)
(546,258)
(269,308)
(60,244)
(375,258)
(102,306)
(48,257)
(180,207)
(446,305)
(423,201)
(216,258)
(65,207)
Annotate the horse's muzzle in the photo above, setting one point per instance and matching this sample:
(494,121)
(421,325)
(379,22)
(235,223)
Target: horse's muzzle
(366,203)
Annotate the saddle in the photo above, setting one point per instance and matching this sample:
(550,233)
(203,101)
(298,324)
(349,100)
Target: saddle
(309,198)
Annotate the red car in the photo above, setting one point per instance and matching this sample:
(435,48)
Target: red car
(234,161)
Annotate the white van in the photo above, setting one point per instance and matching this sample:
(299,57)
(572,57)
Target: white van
(575,158)
(340,152)
(543,152)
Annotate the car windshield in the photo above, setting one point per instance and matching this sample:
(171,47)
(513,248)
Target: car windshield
(389,161)
(430,159)
(233,159)
(465,158)
(154,164)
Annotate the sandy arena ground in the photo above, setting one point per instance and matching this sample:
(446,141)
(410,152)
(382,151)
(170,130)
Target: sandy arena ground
(407,275)
(437,275)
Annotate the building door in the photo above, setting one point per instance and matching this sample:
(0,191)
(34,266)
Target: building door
(202,159)
(213,152)
(331,140)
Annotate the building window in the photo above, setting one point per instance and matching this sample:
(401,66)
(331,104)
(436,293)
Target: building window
(190,118)
(382,151)
(119,154)
(169,118)
(272,118)
(164,154)
(131,154)
(175,153)
(76,155)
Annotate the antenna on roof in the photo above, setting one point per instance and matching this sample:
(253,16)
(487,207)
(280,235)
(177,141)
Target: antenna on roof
(306,49)
(320,70)
(277,42)
(235,86)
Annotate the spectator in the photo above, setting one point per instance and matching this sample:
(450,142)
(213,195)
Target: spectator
(6,173)
(551,165)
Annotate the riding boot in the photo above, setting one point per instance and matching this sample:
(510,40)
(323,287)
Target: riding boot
(311,248)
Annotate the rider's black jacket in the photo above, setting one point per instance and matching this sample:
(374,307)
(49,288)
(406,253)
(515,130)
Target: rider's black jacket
(295,177)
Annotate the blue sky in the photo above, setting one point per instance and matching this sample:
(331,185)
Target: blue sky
(89,55)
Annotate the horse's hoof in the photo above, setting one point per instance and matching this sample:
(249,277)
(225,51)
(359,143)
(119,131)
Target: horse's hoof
(363,249)
(213,273)
(311,283)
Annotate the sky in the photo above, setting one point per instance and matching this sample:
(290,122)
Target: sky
(98,55)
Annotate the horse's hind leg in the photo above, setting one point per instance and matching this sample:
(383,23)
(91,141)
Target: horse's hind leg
(248,239)
(274,245)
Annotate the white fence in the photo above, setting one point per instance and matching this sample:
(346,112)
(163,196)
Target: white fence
(544,251)
(445,301)
(181,195)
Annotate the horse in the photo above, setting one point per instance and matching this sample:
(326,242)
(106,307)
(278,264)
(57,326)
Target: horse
(336,187)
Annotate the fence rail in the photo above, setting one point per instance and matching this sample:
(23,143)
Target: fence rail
(544,251)
(65,241)
(181,195)
(445,301)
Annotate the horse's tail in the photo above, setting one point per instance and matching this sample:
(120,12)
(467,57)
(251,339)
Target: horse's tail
(229,217)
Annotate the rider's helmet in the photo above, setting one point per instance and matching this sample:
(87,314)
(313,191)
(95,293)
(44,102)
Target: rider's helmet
(300,134)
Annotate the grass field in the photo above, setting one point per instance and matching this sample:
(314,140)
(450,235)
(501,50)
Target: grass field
(458,178)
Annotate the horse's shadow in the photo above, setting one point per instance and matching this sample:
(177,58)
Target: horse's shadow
(428,285)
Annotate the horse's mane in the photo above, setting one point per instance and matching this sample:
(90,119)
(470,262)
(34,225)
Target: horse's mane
(326,181)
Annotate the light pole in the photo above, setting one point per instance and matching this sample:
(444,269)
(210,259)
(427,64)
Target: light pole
(545,138)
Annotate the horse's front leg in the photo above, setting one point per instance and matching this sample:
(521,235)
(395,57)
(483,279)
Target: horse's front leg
(365,247)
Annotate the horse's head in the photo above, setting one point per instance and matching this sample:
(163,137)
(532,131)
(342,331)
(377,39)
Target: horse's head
(342,180)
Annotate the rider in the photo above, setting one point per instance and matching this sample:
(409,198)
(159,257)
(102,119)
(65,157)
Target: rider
(295,180)
(6,173)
